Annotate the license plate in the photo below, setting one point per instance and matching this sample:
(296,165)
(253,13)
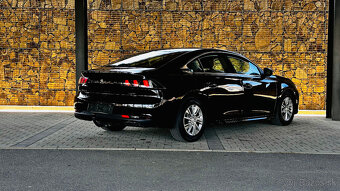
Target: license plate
(100,108)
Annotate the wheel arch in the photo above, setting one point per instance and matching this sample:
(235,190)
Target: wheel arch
(178,131)
(202,98)
(196,95)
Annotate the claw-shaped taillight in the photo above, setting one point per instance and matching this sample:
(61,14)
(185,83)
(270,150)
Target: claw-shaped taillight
(82,80)
(137,83)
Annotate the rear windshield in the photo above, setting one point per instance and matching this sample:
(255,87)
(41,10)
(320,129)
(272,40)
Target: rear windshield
(153,59)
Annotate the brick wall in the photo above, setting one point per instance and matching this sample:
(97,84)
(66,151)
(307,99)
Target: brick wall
(37,47)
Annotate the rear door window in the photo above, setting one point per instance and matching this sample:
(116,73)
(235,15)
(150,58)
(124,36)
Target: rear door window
(212,63)
(194,66)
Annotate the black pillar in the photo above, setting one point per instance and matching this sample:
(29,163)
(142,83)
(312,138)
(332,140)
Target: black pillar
(330,60)
(81,37)
(336,64)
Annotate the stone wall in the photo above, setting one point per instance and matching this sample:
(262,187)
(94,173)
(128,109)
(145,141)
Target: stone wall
(37,47)
(37,52)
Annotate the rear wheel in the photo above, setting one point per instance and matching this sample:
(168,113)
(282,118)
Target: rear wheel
(190,122)
(109,126)
(285,110)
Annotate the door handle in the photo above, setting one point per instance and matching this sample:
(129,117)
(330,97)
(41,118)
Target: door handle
(247,86)
(211,85)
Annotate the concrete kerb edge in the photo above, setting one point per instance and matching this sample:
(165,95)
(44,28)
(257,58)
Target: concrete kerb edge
(165,150)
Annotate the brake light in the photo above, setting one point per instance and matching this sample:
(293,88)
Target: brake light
(127,83)
(125,116)
(136,83)
(146,83)
(82,80)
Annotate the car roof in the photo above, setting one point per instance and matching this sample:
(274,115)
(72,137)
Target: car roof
(226,51)
(208,50)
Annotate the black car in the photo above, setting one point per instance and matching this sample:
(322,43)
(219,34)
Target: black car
(183,89)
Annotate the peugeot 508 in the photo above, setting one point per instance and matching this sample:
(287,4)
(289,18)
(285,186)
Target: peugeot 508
(183,90)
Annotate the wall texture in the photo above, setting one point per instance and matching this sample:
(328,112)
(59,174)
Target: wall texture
(37,52)
(37,59)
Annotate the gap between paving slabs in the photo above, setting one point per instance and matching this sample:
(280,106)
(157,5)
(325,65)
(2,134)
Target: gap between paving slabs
(45,133)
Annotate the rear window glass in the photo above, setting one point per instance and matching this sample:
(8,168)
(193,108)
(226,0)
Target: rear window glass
(153,59)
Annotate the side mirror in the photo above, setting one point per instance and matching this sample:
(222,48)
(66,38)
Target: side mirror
(267,72)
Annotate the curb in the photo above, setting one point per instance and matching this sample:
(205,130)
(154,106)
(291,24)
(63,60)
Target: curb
(166,150)
(18,108)
(312,112)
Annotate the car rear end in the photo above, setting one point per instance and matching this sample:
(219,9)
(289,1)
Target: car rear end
(127,92)
(118,95)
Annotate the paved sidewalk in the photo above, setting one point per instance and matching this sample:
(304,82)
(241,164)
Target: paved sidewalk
(61,130)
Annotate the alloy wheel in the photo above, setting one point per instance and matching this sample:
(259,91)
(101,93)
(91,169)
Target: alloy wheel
(287,109)
(193,120)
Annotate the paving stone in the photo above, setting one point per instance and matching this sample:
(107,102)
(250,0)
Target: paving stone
(84,134)
(305,134)
(16,127)
(62,130)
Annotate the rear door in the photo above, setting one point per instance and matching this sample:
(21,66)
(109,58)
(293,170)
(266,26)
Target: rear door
(224,92)
(260,91)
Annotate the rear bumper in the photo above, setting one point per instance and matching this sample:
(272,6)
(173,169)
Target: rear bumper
(134,116)
(115,118)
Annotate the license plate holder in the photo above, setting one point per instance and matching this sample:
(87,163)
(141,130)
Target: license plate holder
(100,108)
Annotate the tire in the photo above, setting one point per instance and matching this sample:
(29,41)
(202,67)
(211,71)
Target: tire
(109,126)
(192,116)
(284,111)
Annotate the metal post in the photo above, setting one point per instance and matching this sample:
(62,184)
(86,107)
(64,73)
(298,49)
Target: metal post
(81,37)
(336,64)
(330,59)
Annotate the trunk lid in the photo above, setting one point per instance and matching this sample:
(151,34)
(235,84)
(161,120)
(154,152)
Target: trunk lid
(120,85)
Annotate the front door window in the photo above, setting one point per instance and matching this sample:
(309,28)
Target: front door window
(243,67)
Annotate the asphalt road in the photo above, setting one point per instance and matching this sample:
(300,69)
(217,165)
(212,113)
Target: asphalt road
(158,170)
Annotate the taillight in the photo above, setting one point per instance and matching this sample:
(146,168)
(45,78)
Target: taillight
(127,83)
(82,80)
(146,83)
(137,83)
